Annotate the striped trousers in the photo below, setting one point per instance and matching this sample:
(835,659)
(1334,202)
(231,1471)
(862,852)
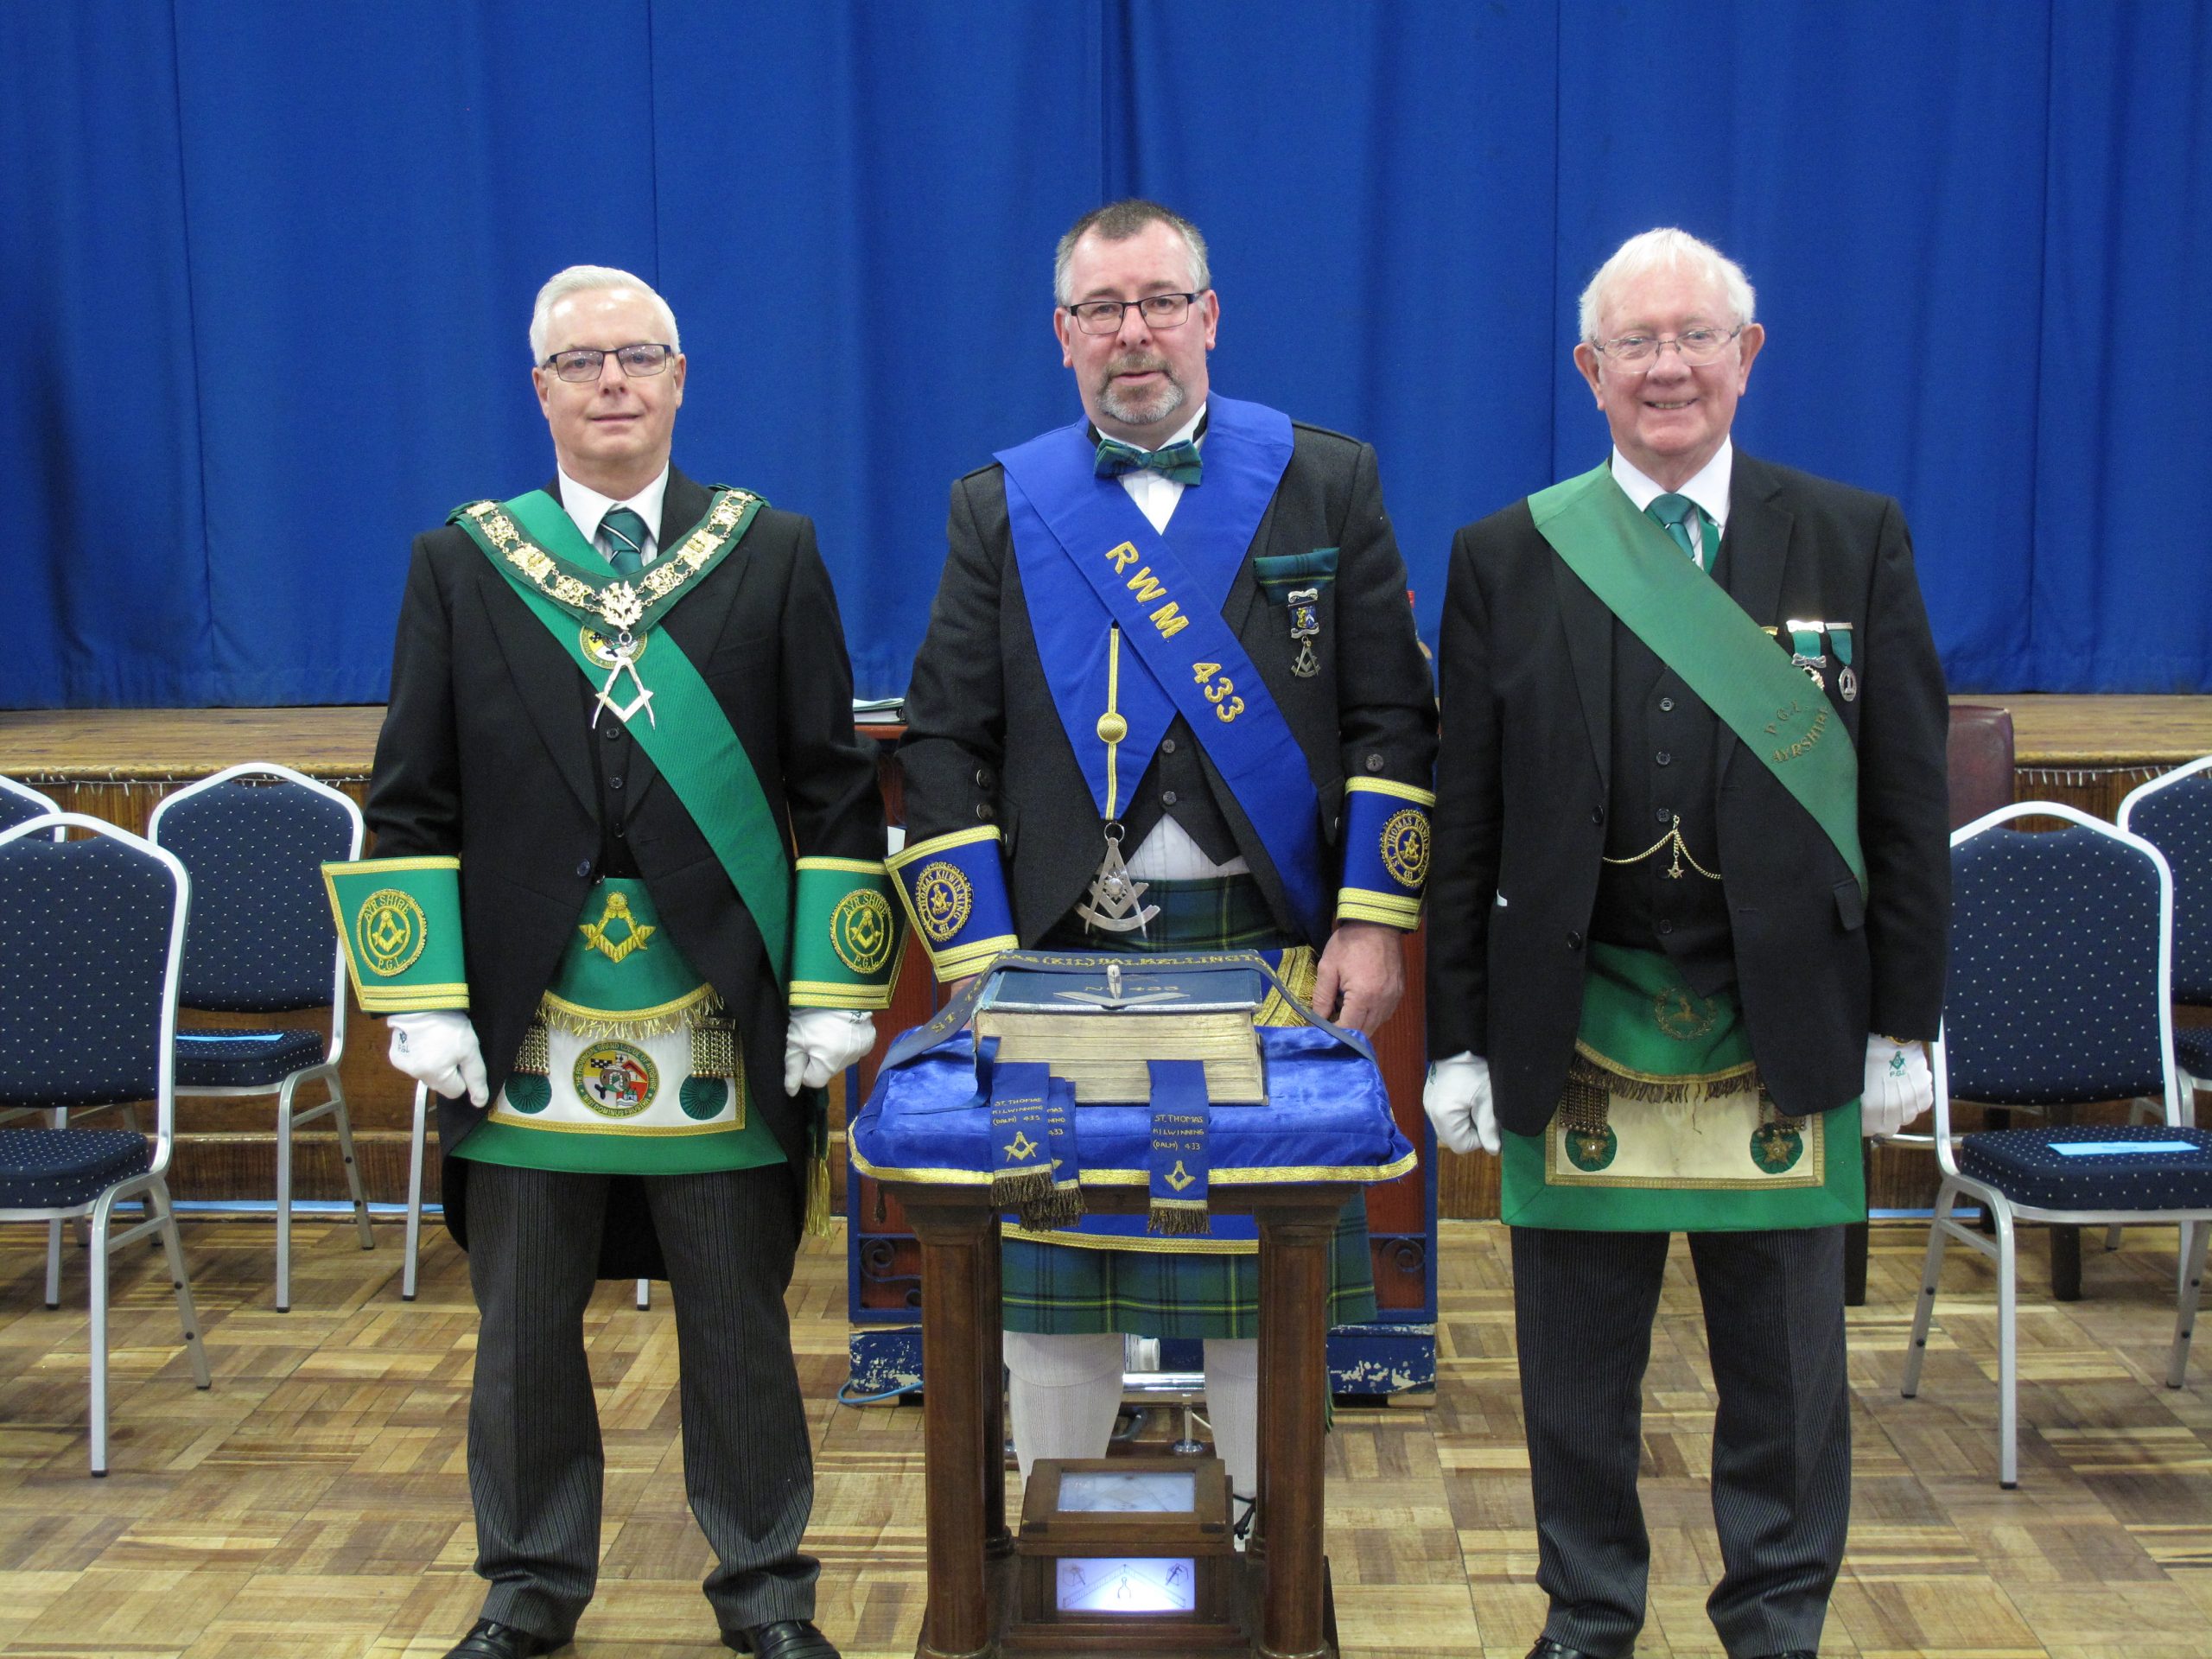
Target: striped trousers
(1583,1307)
(535,1461)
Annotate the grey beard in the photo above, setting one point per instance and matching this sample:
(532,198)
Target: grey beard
(1137,410)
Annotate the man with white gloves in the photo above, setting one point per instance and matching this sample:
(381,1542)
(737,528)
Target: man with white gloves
(620,706)
(1688,914)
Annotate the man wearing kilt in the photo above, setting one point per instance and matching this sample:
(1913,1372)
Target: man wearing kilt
(1170,699)
(1689,927)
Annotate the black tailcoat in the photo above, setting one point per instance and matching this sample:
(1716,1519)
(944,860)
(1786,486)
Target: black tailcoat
(984,743)
(488,752)
(1526,659)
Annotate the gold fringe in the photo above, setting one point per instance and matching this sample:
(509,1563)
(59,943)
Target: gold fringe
(1064,1208)
(819,1222)
(1177,1220)
(1024,1192)
(1587,1072)
(593,1024)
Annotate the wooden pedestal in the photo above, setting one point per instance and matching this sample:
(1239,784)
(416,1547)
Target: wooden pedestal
(970,1547)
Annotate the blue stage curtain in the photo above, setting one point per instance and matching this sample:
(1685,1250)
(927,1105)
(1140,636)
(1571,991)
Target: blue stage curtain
(266,270)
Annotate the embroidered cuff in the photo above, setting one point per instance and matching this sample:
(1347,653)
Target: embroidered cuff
(955,890)
(847,939)
(400,920)
(1386,852)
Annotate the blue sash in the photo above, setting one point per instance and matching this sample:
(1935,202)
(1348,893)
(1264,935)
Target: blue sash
(1090,558)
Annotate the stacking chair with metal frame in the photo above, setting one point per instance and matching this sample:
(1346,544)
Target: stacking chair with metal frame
(91,942)
(2061,965)
(2173,812)
(254,837)
(19,803)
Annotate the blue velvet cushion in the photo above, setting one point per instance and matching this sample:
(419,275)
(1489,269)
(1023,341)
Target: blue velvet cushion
(53,1169)
(2053,993)
(2022,1165)
(2178,820)
(234,1058)
(260,939)
(1327,1118)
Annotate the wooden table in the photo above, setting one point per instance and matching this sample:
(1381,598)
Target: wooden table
(970,1548)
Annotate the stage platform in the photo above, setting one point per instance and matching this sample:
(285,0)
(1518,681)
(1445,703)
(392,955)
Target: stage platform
(2085,750)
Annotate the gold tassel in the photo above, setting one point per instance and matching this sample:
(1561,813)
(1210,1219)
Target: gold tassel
(713,1047)
(819,1222)
(532,1059)
(1177,1220)
(1026,1191)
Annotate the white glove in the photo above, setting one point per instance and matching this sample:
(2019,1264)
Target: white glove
(1900,1086)
(1458,1103)
(819,1043)
(439,1048)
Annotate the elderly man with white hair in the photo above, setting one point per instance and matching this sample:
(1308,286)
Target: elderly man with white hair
(629,914)
(1688,909)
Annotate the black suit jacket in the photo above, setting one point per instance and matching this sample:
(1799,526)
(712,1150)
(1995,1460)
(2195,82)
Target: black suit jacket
(1525,660)
(983,740)
(487,750)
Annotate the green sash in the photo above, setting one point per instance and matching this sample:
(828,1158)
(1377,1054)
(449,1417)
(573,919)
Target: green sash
(1697,630)
(533,543)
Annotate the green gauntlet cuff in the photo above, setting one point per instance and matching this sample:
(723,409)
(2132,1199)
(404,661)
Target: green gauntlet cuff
(400,920)
(846,938)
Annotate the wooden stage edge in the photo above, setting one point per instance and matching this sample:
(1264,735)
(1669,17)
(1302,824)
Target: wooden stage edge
(59,746)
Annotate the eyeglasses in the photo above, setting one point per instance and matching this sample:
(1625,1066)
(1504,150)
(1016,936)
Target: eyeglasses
(1158,310)
(583,363)
(1697,346)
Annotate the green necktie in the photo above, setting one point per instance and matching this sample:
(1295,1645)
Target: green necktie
(1677,514)
(623,532)
(1179,461)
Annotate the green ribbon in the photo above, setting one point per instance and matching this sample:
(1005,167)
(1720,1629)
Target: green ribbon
(1697,630)
(688,735)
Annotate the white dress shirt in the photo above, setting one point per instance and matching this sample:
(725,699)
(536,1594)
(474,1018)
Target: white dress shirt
(1708,488)
(588,508)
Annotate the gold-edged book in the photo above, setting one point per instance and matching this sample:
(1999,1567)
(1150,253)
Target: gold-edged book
(1097,1019)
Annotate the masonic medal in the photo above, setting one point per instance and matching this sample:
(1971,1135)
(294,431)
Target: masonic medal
(1305,628)
(1846,678)
(1115,903)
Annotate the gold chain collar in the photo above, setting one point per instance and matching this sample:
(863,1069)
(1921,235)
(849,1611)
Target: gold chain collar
(620,603)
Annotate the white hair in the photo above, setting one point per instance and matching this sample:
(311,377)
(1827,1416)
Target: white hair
(1669,251)
(585,279)
(1117,222)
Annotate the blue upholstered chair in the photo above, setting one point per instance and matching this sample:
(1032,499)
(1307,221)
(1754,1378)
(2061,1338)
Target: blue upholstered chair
(92,940)
(254,837)
(2061,965)
(2174,814)
(19,803)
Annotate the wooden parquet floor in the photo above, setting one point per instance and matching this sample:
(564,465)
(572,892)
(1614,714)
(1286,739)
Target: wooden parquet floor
(315,1501)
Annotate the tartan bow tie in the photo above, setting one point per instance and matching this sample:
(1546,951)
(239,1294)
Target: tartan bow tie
(1178,460)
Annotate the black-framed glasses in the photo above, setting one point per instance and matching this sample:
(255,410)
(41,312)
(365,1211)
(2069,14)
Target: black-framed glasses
(1158,310)
(583,363)
(1696,347)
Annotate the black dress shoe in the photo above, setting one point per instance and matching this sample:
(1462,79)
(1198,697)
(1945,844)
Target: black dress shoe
(1547,1649)
(787,1638)
(489,1639)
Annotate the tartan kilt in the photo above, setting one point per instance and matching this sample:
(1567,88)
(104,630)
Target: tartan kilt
(1061,1289)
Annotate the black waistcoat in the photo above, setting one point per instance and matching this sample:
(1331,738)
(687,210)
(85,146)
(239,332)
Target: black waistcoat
(1665,748)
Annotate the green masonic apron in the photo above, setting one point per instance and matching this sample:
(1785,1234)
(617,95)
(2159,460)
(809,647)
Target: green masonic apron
(1664,1125)
(632,1066)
